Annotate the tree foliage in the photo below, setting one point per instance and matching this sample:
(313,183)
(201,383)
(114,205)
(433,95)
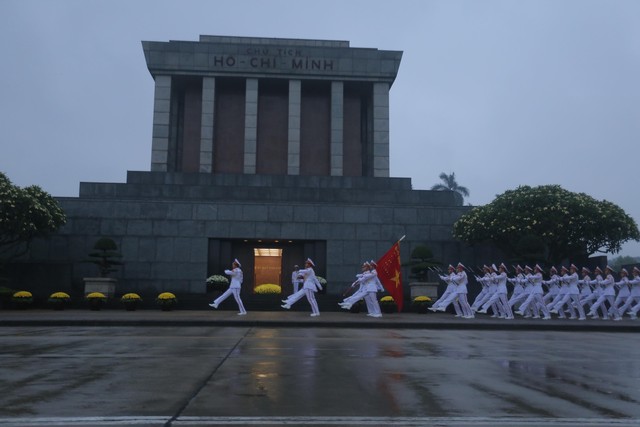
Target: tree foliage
(421,262)
(25,214)
(620,261)
(569,225)
(449,183)
(105,255)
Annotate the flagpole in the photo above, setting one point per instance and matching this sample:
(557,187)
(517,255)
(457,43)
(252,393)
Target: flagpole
(402,238)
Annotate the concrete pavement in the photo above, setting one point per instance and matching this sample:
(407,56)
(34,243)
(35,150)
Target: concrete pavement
(299,319)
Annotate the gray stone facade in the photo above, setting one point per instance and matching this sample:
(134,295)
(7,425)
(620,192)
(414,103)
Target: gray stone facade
(163,223)
(176,227)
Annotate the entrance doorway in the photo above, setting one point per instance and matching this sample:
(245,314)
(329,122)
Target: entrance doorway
(265,261)
(267,271)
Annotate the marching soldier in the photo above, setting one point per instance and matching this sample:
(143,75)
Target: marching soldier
(310,285)
(234,288)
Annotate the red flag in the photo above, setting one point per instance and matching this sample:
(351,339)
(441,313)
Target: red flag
(390,275)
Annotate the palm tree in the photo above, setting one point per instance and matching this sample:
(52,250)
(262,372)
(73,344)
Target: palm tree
(449,184)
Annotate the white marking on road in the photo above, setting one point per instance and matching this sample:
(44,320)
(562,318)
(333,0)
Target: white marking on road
(318,421)
(82,421)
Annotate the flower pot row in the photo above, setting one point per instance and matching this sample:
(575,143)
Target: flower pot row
(95,300)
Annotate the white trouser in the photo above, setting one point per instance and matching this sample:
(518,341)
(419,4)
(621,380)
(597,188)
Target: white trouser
(442,299)
(293,298)
(236,295)
(535,300)
(518,299)
(630,300)
(612,308)
(464,305)
(635,308)
(312,301)
(355,297)
(499,300)
(479,298)
(373,307)
(549,297)
(590,299)
(479,302)
(556,299)
(570,300)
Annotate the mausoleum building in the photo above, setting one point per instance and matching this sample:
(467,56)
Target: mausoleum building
(265,150)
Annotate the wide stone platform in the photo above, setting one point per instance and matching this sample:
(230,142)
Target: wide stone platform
(299,319)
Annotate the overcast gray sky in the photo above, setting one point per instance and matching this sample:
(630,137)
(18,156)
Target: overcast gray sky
(503,93)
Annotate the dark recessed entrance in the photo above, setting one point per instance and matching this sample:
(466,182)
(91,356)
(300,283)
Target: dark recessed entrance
(265,261)
(267,271)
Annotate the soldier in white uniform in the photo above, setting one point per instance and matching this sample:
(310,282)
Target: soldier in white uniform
(608,296)
(552,286)
(585,287)
(361,291)
(485,293)
(374,286)
(234,288)
(535,298)
(461,281)
(562,293)
(623,290)
(460,293)
(295,279)
(311,285)
(491,293)
(634,296)
(517,296)
(572,297)
(527,283)
(451,288)
(596,294)
(369,287)
(499,299)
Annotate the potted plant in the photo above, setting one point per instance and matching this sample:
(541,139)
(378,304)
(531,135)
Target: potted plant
(22,299)
(268,289)
(106,257)
(96,300)
(421,263)
(217,282)
(421,304)
(266,296)
(423,267)
(166,301)
(59,300)
(388,304)
(131,301)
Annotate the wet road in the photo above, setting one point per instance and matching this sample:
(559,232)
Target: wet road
(249,376)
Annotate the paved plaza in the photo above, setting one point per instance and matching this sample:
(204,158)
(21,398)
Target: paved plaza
(216,374)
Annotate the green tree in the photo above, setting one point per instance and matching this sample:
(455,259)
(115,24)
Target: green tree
(105,255)
(570,225)
(449,183)
(619,261)
(25,214)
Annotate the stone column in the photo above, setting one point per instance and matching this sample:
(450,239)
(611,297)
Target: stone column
(207,125)
(161,121)
(251,126)
(293,159)
(337,128)
(381,129)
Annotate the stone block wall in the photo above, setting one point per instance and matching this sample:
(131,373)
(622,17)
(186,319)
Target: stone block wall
(162,223)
